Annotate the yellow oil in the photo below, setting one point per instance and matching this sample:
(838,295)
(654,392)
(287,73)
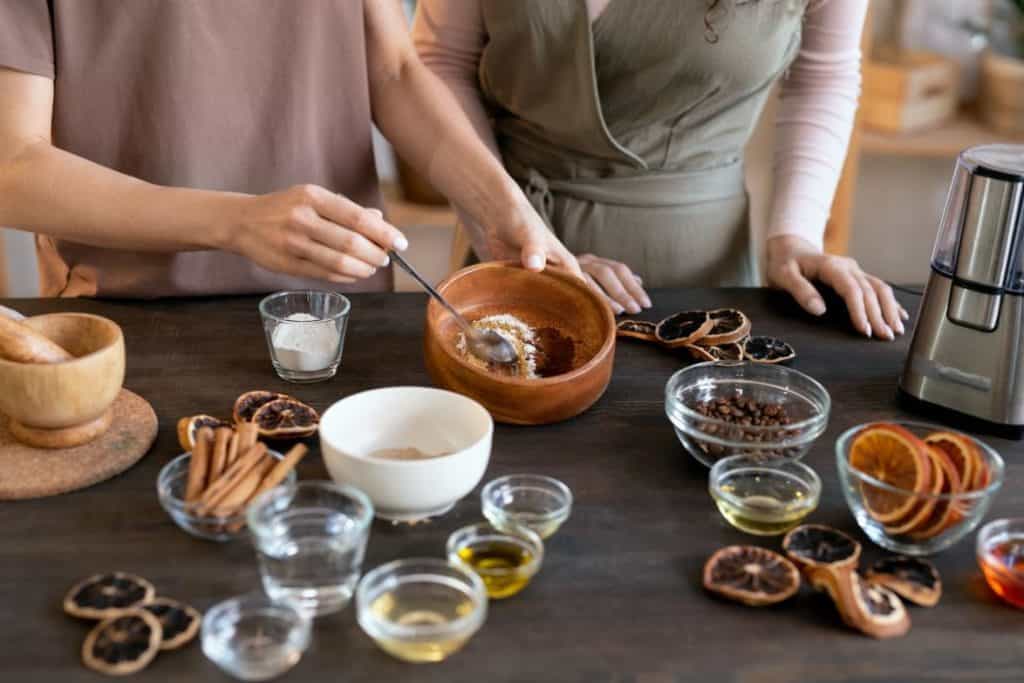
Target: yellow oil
(502,564)
(415,607)
(762,515)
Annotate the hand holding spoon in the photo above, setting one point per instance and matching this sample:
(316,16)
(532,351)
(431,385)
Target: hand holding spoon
(487,345)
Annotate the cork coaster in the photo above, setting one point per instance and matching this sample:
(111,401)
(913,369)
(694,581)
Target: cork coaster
(27,472)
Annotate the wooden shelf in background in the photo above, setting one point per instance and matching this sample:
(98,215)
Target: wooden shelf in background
(945,141)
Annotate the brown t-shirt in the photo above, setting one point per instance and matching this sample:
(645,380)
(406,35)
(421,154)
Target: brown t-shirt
(233,95)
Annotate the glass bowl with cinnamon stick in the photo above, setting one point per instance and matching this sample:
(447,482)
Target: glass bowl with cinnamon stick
(207,490)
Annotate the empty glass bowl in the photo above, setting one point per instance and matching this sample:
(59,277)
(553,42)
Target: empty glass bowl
(505,560)
(421,610)
(954,514)
(541,504)
(170,489)
(727,408)
(254,638)
(765,499)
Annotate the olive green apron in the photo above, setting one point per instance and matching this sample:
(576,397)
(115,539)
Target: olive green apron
(627,133)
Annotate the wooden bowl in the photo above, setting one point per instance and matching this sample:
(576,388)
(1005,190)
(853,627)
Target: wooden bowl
(41,397)
(552,299)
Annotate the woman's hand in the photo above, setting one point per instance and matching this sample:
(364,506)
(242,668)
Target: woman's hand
(614,280)
(793,263)
(521,235)
(309,231)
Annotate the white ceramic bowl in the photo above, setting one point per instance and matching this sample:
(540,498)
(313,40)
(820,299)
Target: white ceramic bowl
(430,420)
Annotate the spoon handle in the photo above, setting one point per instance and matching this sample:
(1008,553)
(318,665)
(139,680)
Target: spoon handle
(431,291)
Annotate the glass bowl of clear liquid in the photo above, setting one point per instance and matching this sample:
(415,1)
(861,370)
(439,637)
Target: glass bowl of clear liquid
(764,498)
(310,539)
(421,610)
(254,638)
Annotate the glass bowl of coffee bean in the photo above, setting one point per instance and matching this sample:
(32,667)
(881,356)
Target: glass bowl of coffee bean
(766,412)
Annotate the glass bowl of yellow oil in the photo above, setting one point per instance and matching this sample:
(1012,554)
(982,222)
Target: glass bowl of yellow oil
(764,498)
(542,504)
(506,560)
(421,610)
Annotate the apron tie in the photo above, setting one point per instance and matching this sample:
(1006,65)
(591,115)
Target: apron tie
(538,192)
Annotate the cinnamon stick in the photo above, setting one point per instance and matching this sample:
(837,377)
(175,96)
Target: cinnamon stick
(281,469)
(199,465)
(219,461)
(232,450)
(234,501)
(248,434)
(217,491)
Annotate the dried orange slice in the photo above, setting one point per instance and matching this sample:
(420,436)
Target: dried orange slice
(923,507)
(893,455)
(960,451)
(286,418)
(188,426)
(944,510)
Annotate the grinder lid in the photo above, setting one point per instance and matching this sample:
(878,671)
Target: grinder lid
(1002,161)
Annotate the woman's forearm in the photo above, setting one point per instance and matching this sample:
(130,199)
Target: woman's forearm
(449,38)
(50,191)
(816,113)
(429,129)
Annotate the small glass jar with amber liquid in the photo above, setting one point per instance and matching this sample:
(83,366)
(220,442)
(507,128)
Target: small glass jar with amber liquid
(506,561)
(1000,550)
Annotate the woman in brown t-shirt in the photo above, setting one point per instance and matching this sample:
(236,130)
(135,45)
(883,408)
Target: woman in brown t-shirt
(174,148)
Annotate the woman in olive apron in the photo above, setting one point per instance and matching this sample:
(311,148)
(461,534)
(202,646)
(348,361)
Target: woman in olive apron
(627,133)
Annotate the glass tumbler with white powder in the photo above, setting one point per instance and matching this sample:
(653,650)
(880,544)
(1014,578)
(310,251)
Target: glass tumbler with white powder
(305,333)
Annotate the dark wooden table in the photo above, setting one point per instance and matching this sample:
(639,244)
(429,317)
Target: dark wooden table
(619,596)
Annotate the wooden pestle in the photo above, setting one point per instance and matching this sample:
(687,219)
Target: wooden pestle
(21,344)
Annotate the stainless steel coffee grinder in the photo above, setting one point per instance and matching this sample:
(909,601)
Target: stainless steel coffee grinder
(967,352)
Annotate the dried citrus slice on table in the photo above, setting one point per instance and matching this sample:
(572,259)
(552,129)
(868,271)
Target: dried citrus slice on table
(728,326)
(286,418)
(894,456)
(751,575)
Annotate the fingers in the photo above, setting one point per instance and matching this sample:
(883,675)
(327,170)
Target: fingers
(873,308)
(849,289)
(616,306)
(348,242)
(334,261)
(367,222)
(800,288)
(891,309)
(632,284)
(562,256)
(534,255)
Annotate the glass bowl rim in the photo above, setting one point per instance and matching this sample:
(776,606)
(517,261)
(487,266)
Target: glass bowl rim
(381,574)
(996,464)
(346,305)
(814,483)
(551,485)
(674,403)
(256,527)
(250,603)
(988,529)
(173,503)
(521,532)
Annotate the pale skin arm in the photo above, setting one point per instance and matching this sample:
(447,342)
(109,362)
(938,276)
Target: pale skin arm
(419,116)
(305,230)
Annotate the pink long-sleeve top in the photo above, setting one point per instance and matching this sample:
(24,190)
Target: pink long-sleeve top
(818,98)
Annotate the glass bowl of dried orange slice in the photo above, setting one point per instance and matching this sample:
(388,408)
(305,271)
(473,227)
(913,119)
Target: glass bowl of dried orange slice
(916,488)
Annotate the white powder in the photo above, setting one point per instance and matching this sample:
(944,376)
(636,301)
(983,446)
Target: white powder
(309,345)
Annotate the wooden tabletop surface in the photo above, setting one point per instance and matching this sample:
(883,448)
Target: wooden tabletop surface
(619,597)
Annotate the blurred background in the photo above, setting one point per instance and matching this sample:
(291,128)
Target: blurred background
(939,76)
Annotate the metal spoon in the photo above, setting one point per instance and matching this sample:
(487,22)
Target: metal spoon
(487,345)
